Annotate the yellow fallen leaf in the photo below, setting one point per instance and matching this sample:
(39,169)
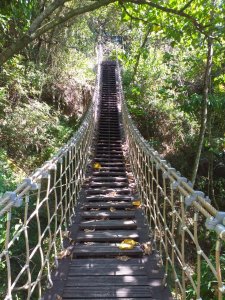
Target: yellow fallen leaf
(136,203)
(112,209)
(97,166)
(130,242)
(125,246)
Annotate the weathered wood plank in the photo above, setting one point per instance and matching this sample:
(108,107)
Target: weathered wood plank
(111,179)
(111,169)
(100,292)
(93,251)
(98,191)
(107,236)
(107,214)
(109,198)
(108,224)
(115,204)
(108,184)
(115,280)
(105,270)
(146,298)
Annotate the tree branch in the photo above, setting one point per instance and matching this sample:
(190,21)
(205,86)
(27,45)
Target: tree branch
(181,13)
(46,13)
(73,13)
(186,6)
(35,31)
(132,17)
(144,21)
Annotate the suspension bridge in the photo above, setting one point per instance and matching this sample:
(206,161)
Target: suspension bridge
(108,218)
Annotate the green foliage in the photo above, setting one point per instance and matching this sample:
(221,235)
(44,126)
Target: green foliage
(7,177)
(39,133)
(208,282)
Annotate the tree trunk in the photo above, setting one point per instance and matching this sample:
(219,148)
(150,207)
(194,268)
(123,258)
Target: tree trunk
(139,53)
(211,191)
(205,101)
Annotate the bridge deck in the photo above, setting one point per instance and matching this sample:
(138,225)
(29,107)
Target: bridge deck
(105,216)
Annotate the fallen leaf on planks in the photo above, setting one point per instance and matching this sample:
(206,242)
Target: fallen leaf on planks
(97,166)
(123,257)
(136,203)
(65,253)
(127,244)
(89,230)
(130,241)
(147,248)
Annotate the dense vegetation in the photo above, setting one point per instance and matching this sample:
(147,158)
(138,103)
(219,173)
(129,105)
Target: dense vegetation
(172,53)
(44,90)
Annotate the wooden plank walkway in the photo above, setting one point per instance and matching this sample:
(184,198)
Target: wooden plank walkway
(105,216)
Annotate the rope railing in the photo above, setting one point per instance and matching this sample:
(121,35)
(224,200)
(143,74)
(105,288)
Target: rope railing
(188,232)
(36,216)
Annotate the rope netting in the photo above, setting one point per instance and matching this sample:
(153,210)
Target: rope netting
(35,217)
(188,232)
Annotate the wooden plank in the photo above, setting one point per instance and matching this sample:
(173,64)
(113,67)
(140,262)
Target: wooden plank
(109,157)
(111,160)
(100,292)
(111,148)
(107,214)
(95,191)
(114,204)
(107,270)
(110,235)
(93,251)
(108,163)
(111,131)
(108,184)
(108,224)
(95,262)
(110,178)
(142,298)
(151,270)
(105,169)
(111,134)
(107,172)
(103,280)
(109,198)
